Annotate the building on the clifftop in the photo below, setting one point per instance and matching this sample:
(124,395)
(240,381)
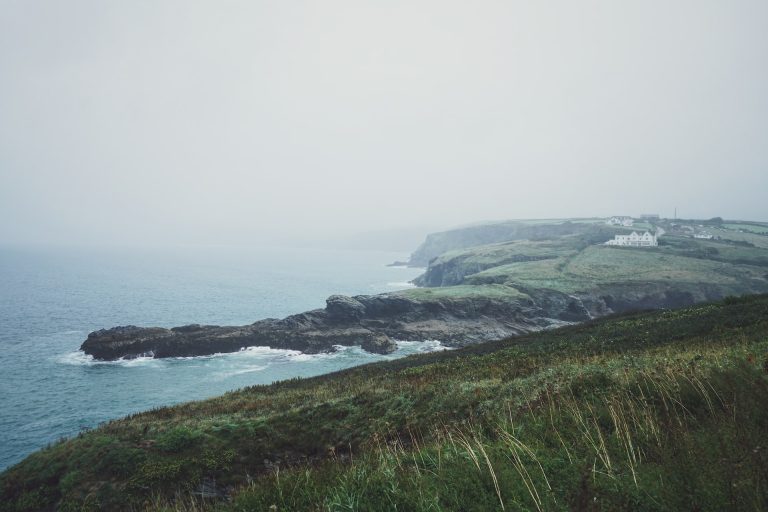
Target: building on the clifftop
(635,239)
(620,220)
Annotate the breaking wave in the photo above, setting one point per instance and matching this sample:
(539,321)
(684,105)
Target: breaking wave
(265,354)
(80,358)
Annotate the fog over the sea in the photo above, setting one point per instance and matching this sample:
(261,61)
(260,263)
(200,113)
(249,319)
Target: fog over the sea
(223,122)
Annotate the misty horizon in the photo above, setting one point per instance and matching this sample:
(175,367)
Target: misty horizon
(178,123)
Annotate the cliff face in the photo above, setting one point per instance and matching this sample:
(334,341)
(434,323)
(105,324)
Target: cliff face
(452,271)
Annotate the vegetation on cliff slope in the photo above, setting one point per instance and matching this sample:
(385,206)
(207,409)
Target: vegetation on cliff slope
(743,233)
(596,266)
(578,263)
(437,244)
(647,411)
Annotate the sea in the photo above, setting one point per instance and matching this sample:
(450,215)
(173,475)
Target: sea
(51,298)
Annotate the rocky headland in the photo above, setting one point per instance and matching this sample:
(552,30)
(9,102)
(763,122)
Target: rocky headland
(371,321)
(375,321)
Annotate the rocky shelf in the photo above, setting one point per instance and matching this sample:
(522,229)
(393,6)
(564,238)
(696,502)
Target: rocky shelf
(375,321)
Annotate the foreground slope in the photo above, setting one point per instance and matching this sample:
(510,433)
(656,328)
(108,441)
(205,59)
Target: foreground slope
(648,411)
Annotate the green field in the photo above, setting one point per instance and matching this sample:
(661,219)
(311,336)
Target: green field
(717,250)
(645,411)
(738,269)
(752,228)
(494,253)
(754,239)
(491,291)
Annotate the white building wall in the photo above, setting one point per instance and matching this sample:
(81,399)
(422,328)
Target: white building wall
(635,240)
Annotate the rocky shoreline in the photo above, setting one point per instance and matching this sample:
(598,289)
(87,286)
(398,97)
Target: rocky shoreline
(374,322)
(371,321)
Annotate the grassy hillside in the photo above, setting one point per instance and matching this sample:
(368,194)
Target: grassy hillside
(490,291)
(600,265)
(437,244)
(579,263)
(648,411)
(748,227)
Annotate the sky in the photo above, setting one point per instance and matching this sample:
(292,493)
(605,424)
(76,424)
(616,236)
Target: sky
(155,121)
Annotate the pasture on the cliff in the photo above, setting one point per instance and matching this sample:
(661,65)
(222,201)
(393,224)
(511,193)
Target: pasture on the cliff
(406,255)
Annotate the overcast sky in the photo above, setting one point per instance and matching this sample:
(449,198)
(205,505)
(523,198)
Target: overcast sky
(212,122)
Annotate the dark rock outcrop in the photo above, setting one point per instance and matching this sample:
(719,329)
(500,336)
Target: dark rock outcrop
(341,309)
(373,322)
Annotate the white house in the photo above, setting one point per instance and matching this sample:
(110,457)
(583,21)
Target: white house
(620,221)
(635,240)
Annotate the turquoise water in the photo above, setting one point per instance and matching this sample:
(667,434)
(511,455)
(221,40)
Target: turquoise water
(51,299)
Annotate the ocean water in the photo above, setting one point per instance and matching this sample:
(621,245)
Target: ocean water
(51,299)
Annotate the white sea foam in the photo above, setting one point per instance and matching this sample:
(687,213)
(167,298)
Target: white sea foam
(300,358)
(416,347)
(245,352)
(80,358)
(231,373)
(263,354)
(139,361)
(266,351)
(401,284)
(76,358)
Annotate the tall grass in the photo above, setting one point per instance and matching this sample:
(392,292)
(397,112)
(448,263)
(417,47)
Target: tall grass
(617,450)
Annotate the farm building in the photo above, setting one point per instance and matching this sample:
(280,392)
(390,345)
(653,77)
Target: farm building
(620,220)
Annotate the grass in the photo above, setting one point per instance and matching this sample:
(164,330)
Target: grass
(646,411)
(716,250)
(490,291)
(752,228)
(612,264)
(577,262)
(437,244)
(754,239)
(597,266)
(452,267)
(495,253)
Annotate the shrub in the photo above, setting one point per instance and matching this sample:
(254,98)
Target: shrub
(177,439)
